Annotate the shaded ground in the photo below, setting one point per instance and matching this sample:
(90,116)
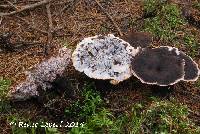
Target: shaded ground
(71,23)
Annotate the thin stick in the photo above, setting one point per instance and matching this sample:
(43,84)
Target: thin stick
(28,7)
(50,30)
(1,19)
(12,5)
(49,18)
(5,6)
(109,16)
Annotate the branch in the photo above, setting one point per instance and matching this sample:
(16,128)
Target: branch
(28,7)
(111,19)
(50,18)
(1,19)
(12,5)
(5,6)
(50,30)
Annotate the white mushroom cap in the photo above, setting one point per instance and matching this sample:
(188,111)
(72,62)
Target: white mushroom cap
(104,57)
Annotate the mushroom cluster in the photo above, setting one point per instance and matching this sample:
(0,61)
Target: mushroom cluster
(111,58)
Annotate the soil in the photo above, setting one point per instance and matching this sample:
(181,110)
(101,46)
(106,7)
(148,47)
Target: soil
(71,23)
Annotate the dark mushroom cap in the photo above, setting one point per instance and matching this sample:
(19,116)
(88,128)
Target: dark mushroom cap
(138,39)
(104,57)
(191,68)
(159,66)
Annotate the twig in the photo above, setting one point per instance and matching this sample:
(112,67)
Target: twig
(111,19)
(12,5)
(28,7)
(1,19)
(50,18)
(5,6)
(50,30)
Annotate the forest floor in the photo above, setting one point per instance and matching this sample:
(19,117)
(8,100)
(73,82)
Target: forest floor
(38,32)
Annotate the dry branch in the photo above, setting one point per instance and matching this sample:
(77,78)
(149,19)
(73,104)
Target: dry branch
(12,5)
(1,19)
(28,7)
(5,6)
(110,17)
(50,30)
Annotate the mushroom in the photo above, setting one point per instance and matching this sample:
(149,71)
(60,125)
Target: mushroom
(164,66)
(104,57)
(160,66)
(138,39)
(42,75)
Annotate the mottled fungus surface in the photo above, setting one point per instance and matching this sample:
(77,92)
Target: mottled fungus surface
(42,75)
(138,39)
(104,57)
(160,66)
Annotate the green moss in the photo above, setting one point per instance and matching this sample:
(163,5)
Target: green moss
(4,87)
(96,117)
(86,106)
(166,20)
(191,44)
(196,5)
(100,122)
(198,83)
(162,117)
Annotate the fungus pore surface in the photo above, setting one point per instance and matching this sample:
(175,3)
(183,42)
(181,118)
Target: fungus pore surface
(104,57)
